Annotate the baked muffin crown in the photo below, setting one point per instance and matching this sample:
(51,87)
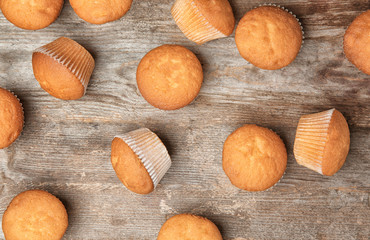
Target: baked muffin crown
(35,215)
(169,77)
(269,37)
(254,158)
(356,42)
(11,118)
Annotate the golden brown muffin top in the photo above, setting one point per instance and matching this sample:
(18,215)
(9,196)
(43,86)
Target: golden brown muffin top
(254,158)
(129,168)
(357,42)
(11,118)
(169,77)
(218,13)
(189,227)
(31,15)
(337,144)
(35,215)
(268,37)
(100,11)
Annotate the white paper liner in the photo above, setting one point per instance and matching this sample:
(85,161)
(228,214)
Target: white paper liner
(195,27)
(310,140)
(79,62)
(150,150)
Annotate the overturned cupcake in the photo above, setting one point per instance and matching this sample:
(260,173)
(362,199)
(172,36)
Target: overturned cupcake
(269,37)
(63,68)
(202,21)
(322,141)
(140,160)
(11,118)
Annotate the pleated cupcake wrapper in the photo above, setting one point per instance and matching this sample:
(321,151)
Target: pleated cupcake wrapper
(285,9)
(78,60)
(311,137)
(150,150)
(192,23)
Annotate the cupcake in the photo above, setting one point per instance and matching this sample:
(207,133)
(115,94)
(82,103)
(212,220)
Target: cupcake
(254,158)
(11,118)
(202,21)
(140,160)
(356,42)
(102,11)
(269,37)
(322,142)
(31,15)
(63,68)
(169,77)
(187,226)
(35,215)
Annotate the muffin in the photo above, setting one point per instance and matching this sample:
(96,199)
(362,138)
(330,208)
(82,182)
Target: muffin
(187,226)
(35,215)
(269,37)
(31,15)
(101,11)
(202,20)
(63,68)
(169,77)
(254,158)
(11,118)
(356,42)
(140,160)
(322,142)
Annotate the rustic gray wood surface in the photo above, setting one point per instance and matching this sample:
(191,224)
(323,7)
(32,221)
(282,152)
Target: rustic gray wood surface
(65,145)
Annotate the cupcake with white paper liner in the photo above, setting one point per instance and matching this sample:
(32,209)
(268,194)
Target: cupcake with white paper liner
(63,68)
(140,160)
(322,141)
(11,118)
(269,36)
(202,21)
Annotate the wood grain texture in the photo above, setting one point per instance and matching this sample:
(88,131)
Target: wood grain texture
(65,145)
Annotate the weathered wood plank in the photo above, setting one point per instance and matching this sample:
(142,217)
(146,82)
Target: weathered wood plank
(65,146)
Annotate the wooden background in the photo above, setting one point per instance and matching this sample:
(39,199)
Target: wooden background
(65,145)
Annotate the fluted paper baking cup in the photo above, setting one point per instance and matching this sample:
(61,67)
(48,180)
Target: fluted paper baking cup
(311,137)
(71,55)
(150,150)
(193,24)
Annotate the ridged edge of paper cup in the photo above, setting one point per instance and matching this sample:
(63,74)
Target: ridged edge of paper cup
(150,150)
(192,23)
(286,10)
(311,138)
(78,60)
